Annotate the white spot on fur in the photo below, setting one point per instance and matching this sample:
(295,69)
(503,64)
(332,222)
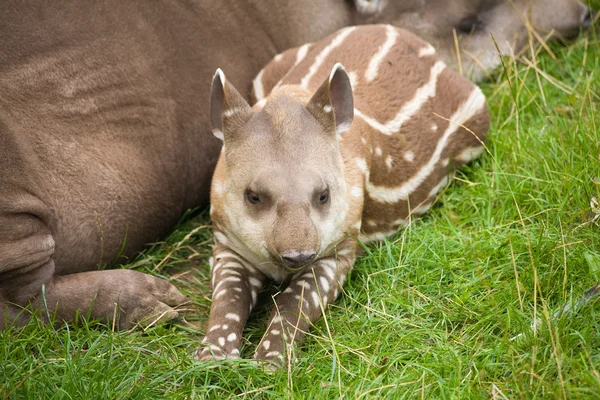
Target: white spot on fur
(320,58)
(254,295)
(329,272)
(223,281)
(470,153)
(374,237)
(276,319)
(434,127)
(465,112)
(378,151)
(288,290)
(356,191)
(255,282)
(221,341)
(400,221)
(214,328)
(409,156)
(230,271)
(372,223)
(327,108)
(362,164)
(272,354)
(275,332)
(427,51)
(373,68)
(225,327)
(303,284)
(267,344)
(231,337)
(324,283)
(315,298)
(325,300)
(221,293)
(233,317)
(220,238)
(363,140)
(344,252)
(278,57)
(389,161)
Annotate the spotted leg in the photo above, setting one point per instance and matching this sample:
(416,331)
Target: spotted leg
(301,304)
(235,286)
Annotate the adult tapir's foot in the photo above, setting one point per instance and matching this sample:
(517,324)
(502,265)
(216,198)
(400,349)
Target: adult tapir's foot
(123,298)
(29,276)
(126,297)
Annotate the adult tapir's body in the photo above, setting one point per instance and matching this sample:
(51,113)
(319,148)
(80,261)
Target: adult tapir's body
(104,137)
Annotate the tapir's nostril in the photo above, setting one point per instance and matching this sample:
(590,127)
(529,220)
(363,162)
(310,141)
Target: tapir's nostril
(297,258)
(586,20)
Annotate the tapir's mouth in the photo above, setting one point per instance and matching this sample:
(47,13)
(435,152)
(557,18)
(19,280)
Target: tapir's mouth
(291,269)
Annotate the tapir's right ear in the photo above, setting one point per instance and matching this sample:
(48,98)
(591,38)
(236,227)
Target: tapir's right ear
(229,111)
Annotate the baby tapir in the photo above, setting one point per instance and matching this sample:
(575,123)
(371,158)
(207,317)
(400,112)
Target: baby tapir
(312,169)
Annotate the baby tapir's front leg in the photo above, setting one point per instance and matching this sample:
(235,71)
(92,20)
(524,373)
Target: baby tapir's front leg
(235,286)
(301,304)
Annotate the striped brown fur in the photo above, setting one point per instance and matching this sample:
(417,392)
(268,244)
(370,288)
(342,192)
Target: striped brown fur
(413,121)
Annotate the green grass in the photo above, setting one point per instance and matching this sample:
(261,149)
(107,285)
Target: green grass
(445,309)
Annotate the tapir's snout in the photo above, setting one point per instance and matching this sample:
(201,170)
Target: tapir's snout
(297,259)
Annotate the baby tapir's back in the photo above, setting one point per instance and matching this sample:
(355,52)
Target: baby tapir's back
(415,119)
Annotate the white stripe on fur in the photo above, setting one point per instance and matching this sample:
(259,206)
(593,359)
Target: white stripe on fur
(384,49)
(465,112)
(320,58)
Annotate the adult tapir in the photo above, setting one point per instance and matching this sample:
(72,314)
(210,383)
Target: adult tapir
(104,135)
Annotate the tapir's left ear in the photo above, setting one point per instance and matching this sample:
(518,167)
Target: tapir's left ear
(229,111)
(333,105)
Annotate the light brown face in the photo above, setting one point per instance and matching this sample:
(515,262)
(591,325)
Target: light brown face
(474,21)
(285,190)
(283,193)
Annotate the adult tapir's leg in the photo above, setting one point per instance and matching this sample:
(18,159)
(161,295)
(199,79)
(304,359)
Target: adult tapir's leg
(26,265)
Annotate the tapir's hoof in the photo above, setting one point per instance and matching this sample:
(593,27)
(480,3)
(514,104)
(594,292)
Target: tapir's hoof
(214,353)
(144,300)
(270,361)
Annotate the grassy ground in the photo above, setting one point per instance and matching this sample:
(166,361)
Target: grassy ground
(464,303)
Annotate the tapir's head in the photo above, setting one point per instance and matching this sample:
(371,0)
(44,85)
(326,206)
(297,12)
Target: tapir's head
(283,192)
(470,24)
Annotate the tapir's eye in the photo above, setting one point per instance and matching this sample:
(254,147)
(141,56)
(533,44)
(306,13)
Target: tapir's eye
(470,24)
(252,197)
(324,197)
